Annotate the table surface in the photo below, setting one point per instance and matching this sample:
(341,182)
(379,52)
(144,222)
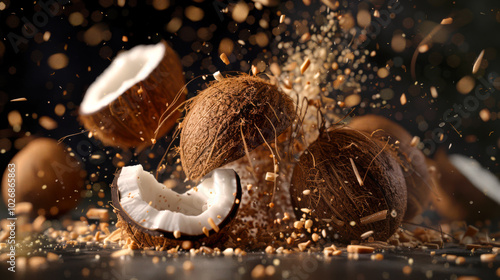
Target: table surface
(91,261)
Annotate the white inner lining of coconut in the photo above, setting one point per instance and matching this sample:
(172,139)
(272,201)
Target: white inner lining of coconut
(483,179)
(127,69)
(171,211)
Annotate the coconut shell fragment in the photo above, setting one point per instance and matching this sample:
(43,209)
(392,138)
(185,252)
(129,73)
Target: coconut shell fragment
(126,104)
(418,181)
(353,185)
(231,115)
(202,215)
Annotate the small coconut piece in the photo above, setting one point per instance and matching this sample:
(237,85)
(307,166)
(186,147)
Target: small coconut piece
(174,218)
(125,104)
(47,175)
(325,169)
(418,180)
(466,191)
(230,116)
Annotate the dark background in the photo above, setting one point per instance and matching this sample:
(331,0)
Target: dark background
(26,73)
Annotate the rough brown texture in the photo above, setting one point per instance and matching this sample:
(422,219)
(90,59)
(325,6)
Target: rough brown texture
(227,113)
(336,198)
(148,238)
(132,118)
(455,192)
(418,181)
(255,226)
(47,176)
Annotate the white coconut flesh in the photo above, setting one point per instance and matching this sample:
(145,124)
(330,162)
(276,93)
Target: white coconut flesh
(154,206)
(127,69)
(483,179)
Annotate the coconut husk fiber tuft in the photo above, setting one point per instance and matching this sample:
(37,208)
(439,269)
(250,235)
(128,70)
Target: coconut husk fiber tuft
(230,117)
(336,201)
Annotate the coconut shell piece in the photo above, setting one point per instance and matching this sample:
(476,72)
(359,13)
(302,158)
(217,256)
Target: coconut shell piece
(348,184)
(124,106)
(47,176)
(227,115)
(418,181)
(157,237)
(460,197)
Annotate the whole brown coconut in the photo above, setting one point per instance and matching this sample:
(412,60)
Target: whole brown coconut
(47,176)
(230,114)
(460,196)
(125,105)
(347,183)
(418,181)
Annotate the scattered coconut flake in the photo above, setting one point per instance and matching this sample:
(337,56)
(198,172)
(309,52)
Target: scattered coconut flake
(305,65)
(488,257)
(271,176)
(123,252)
(98,214)
(213,225)
(402,99)
(366,234)
(18,99)
(360,249)
(358,177)
(224,58)
(282,18)
(434,92)
(218,76)
(447,21)
(379,216)
(414,141)
(477,64)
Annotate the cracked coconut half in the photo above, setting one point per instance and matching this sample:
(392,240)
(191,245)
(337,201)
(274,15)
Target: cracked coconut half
(155,215)
(140,89)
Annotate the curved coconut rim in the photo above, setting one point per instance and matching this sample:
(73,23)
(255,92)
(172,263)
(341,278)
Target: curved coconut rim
(121,75)
(477,175)
(115,197)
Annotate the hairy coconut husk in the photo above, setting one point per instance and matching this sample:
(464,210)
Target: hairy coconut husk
(455,192)
(413,161)
(230,114)
(47,176)
(132,119)
(336,201)
(145,237)
(255,225)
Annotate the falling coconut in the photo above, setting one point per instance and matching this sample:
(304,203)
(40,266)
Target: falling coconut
(230,118)
(124,105)
(347,183)
(466,191)
(153,215)
(45,174)
(418,180)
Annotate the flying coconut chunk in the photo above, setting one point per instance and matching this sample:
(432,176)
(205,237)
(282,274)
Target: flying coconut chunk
(140,89)
(155,208)
(120,76)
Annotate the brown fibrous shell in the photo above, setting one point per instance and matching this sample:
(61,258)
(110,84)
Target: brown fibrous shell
(132,119)
(413,161)
(230,114)
(336,200)
(145,237)
(47,175)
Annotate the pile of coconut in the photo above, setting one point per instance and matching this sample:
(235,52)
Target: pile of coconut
(257,180)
